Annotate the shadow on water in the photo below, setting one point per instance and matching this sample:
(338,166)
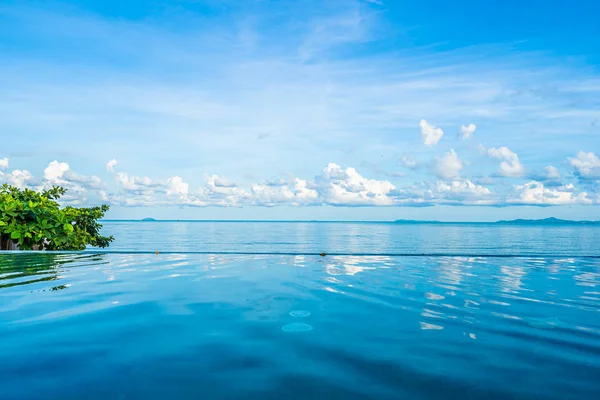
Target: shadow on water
(17,269)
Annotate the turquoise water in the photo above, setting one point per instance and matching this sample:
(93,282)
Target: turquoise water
(198,321)
(354,238)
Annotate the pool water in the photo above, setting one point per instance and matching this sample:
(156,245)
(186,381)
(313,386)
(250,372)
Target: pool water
(298,326)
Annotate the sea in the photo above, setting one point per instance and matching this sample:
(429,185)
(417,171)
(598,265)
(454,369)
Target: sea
(306,310)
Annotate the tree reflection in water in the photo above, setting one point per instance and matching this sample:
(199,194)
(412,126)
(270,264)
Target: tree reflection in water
(17,269)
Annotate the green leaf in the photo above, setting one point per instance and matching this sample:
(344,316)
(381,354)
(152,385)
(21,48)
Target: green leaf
(31,217)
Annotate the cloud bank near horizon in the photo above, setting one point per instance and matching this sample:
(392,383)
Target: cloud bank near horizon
(339,186)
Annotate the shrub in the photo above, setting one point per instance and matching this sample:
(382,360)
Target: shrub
(35,220)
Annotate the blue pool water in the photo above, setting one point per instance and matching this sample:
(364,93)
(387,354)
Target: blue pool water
(198,321)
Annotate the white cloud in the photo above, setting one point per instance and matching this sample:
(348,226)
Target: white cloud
(130,183)
(333,186)
(463,192)
(143,191)
(430,134)
(534,193)
(88,182)
(135,191)
(129,200)
(110,166)
(217,181)
(177,187)
(551,172)
(462,187)
(448,166)
(221,192)
(587,165)
(55,171)
(3,164)
(296,194)
(60,174)
(133,183)
(511,166)
(408,160)
(339,186)
(18,178)
(466,132)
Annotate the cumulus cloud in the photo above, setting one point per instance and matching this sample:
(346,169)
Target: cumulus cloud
(551,172)
(55,174)
(462,187)
(177,187)
(60,174)
(3,164)
(448,166)
(18,178)
(466,131)
(586,165)
(338,186)
(110,166)
(430,134)
(534,193)
(335,186)
(221,192)
(55,171)
(88,182)
(131,183)
(510,166)
(297,194)
(135,191)
(463,192)
(220,182)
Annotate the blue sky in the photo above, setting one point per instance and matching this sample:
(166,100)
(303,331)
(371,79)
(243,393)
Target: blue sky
(345,109)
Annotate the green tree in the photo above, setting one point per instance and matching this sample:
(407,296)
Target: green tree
(36,220)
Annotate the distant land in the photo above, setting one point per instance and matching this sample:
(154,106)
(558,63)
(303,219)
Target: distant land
(516,222)
(546,222)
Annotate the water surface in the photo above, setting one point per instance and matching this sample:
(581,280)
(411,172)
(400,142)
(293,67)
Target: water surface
(259,326)
(354,238)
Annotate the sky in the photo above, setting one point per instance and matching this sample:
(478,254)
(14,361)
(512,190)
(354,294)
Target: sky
(310,110)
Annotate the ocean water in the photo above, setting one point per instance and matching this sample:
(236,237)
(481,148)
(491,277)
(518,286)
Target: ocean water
(250,311)
(354,238)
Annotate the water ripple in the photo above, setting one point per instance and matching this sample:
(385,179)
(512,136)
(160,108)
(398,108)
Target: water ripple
(279,326)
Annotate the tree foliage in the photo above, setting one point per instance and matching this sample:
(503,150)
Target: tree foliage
(36,220)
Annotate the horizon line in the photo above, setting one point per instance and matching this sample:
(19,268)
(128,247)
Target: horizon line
(399,221)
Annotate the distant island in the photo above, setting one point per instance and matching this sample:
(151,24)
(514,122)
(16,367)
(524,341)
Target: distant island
(546,221)
(514,222)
